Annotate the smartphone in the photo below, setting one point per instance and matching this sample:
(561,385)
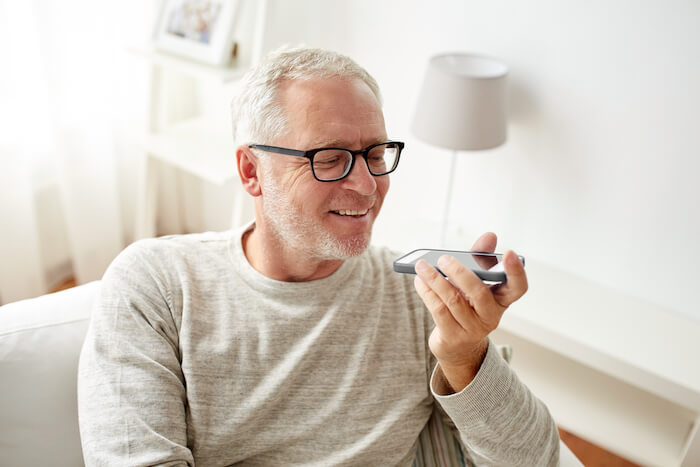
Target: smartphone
(487,266)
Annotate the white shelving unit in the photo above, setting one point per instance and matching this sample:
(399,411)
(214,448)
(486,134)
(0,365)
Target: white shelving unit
(188,67)
(613,369)
(198,144)
(201,146)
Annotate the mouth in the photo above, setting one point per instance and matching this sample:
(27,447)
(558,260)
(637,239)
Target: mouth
(351,212)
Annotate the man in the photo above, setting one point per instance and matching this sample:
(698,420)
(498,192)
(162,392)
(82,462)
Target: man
(291,342)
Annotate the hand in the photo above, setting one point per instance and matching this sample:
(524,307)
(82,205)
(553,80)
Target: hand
(466,310)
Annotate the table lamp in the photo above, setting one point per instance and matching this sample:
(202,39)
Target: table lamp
(462,107)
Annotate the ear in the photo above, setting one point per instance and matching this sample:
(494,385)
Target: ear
(248,170)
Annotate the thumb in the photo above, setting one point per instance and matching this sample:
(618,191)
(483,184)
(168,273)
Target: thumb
(516,285)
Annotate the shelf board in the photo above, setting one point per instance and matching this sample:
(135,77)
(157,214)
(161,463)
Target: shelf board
(201,146)
(188,67)
(628,338)
(623,418)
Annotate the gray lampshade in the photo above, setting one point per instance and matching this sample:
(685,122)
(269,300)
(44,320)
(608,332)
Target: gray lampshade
(462,104)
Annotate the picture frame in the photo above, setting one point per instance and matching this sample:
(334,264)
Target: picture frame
(201,30)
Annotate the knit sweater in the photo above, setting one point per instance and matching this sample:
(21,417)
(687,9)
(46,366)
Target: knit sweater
(194,357)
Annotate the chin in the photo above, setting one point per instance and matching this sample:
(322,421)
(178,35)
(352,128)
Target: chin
(358,246)
(344,248)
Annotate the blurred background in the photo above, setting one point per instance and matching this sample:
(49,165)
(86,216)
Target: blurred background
(597,177)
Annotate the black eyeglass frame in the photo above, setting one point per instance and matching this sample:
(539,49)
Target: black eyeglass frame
(312,152)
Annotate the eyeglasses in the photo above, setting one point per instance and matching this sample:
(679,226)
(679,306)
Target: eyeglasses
(332,164)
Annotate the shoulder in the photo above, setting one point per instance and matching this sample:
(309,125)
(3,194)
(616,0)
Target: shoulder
(151,274)
(156,258)
(174,247)
(196,244)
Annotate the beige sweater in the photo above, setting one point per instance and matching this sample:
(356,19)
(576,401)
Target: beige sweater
(193,357)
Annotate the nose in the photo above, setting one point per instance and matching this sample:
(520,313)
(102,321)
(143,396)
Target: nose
(359,179)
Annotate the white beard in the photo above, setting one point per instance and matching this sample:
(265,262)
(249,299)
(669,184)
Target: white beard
(300,233)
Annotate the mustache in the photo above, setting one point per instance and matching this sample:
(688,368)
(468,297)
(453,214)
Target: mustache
(364,202)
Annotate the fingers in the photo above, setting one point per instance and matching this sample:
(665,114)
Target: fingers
(444,301)
(487,242)
(450,298)
(464,302)
(444,320)
(484,304)
(516,285)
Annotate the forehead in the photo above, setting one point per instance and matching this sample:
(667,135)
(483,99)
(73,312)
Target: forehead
(320,111)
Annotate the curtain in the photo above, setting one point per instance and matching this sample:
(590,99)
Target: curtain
(72,116)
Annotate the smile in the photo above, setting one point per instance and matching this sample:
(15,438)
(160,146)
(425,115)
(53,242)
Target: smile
(350,212)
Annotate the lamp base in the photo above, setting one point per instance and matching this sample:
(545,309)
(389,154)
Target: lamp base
(448,200)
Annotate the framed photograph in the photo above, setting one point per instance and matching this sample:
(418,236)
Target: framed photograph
(201,30)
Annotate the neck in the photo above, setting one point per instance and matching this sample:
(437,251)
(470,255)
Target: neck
(273,258)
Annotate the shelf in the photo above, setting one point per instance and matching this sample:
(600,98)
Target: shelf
(187,66)
(628,338)
(614,369)
(200,146)
(623,418)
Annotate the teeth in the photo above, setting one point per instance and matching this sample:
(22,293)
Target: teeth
(350,212)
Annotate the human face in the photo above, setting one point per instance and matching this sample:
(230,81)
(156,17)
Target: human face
(324,220)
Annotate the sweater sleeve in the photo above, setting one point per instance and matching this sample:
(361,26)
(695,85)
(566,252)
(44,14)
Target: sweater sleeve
(500,421)
(131,390)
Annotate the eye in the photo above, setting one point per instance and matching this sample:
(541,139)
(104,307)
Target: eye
(330,157)
(326,160)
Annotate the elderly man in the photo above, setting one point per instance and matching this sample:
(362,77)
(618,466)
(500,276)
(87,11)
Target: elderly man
(291,341)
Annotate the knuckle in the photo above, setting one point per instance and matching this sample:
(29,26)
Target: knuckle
(492,322)
(430,273)
(458,268)
(418,283)
(436,341)
(453,301)
(441,310)
(494,319)
(481,295)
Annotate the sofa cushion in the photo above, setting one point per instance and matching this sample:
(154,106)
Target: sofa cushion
(40,341)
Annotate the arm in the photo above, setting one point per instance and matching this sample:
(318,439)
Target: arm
(499,420)
(131,393)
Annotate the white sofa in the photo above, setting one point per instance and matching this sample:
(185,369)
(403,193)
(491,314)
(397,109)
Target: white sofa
(40,341)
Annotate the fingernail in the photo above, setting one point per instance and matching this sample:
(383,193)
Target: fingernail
(444,260)
(421,266)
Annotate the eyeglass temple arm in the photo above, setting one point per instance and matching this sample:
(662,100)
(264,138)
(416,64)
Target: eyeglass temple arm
(278,150)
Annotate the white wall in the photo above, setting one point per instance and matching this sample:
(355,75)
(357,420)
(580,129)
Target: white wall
(597,176)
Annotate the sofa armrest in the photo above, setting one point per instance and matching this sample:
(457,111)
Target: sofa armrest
(40,342)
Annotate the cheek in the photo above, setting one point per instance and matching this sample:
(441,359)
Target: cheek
(383,186)
(298,180)
(311,195)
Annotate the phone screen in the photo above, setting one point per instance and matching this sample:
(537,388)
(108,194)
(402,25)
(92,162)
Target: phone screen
(487,266)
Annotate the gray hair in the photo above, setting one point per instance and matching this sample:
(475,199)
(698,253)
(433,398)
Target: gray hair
(258,116)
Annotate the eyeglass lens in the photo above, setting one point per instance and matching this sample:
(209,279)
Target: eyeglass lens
(330,164)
